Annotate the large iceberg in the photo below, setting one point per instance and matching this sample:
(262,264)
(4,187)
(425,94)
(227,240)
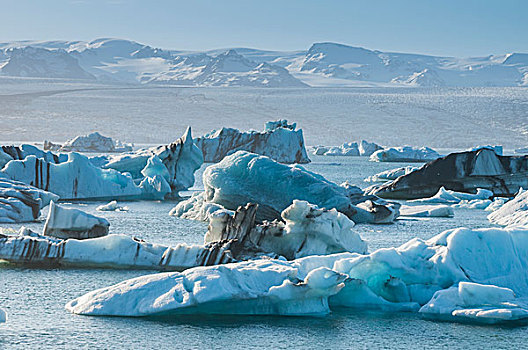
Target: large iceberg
(76,178)
(462,172)
(175,162)
(67,223)
(417,276)
(363,148)
(93,142)
(405,154)
(245,177)
(20,202)
(514,212)
(280,141)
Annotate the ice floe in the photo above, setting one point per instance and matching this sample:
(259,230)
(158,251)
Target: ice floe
(405,154)
(280,141)
(67,223)
(111,206)
(514,212)
(444,196)
(94,142)
(245,177)
(427,211)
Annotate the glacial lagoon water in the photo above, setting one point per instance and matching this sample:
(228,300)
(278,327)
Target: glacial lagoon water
(35,298)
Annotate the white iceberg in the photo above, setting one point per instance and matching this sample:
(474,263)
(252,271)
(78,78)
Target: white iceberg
(280,141)
(497,203)
(111,206)
(94,142)
(473,302)
(392,279)
(474,204)
(245,177)
(427,211)
(444,196)
(20,202)
(405,154)
(512,213)
(248,288)
(363,148)
(180,160)
(74,223)
(392,174)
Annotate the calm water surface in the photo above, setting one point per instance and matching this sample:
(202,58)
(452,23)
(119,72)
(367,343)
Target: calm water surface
(35,299)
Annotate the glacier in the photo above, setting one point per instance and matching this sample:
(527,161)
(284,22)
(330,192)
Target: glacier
(408,278)
(244,177)
(279,141)
(67,223)
(404,154)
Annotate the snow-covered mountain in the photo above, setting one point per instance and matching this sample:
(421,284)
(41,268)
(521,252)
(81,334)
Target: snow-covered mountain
(323,64)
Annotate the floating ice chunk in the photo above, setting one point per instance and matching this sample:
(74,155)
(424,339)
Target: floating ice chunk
(497,203)
(3,316)
(465,171)
(93,142)
(452,197)
(196,208)
(245,177)
(156,188)
(512,213)
(320,150)
(347,149)
(180,158)
(405,154)
(280,142)
(476,303)
(281,123)
(77,178)
(73,223)
(155,167)
(111,206)
(473,204)
(391,174)
(248,288)
(427,211)
(306,230)
(364,148)
(20,202)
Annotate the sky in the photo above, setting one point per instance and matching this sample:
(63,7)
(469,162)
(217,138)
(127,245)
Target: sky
(444,27)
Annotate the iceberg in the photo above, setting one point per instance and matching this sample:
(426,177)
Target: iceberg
(512,213)
(244,177)
(111,206)
(305,230)
(462,172)
(280,141)
(391,174)
(444,196)
(180,160)
(474,204)
(485,268)
(248,288)
(363,148)
(427,211)
(473,302)
(94,142)
(67,223)
(20,202)
(497,149)
(76,178)
(405,154)
(115,251)
(9,153)
(3,316)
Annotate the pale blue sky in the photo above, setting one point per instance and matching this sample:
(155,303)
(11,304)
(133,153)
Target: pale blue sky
(443,27)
